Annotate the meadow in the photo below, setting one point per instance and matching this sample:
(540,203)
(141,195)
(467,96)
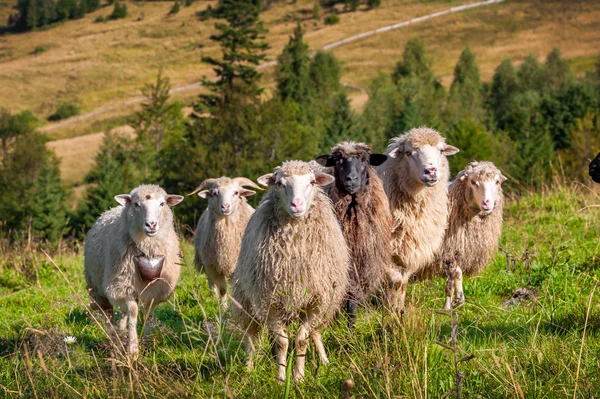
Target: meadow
(542,341)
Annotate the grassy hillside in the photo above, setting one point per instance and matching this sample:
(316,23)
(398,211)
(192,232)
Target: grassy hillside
(543,347)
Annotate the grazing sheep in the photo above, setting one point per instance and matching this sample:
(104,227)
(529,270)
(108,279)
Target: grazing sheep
(218,236)
(415,178)
(293,264)
(363,210)
(131,255)
(474,227)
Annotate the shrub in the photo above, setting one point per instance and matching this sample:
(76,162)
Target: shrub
(188,2)
(352,4)
(101,18)
(39,49)
(373,3)
(174,9)
(316,11)
(119,12)
(64,111)
(332,19)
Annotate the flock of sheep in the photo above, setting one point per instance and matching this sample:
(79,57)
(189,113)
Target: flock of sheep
(328,234)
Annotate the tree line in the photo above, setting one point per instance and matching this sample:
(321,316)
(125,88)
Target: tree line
(530,120)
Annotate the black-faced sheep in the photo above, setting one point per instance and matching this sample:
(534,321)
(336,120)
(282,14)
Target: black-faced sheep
(415,178)
(363,210)
(476,202)
(293,264)
(218,236)
(125,251)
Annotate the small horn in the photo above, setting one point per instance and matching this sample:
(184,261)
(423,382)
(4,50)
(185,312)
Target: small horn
(244,181)
(206,183)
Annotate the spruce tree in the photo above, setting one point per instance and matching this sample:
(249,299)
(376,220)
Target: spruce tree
(293,69)
(557,72)
(466,93)
(344,123)
(241,40)
(325,72)
(530,74)
(48,211)
(414,61)
(504,86)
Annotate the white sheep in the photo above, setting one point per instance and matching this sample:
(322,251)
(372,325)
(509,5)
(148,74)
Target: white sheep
(131,255)
(293,264)
(474,227)
(415,178)
(218,236)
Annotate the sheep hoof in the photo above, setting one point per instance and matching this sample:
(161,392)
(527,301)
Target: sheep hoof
(298,377)
(280,378)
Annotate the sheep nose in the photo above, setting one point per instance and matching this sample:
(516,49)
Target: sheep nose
(298,203)
(151,225)
(487,203)
(225,207)
(431,170)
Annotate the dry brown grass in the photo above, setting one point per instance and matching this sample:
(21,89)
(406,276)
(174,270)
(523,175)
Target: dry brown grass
(94,64)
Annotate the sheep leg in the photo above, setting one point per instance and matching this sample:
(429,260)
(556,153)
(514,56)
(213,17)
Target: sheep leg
(397,290)
(458,287)
(449,291)
(132,315)
(301,344)
(149,322)
(281,343)
(351,309)
(221,290)
(249,340)
(123,319)
(318,341)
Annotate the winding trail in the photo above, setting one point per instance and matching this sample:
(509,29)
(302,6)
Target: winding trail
(269,64)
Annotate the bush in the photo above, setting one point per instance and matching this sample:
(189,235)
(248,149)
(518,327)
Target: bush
(188,2)
(174,9)
(119,12)
(101,18)
(352,4)
(39,49)
(373,3)
(332,19)
(64,111)
(316,11)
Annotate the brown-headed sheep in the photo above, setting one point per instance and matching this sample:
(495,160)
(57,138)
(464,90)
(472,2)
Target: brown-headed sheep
(476,202)
(415,178)
(363,210)
(131,255)
(218,236)
(293,264)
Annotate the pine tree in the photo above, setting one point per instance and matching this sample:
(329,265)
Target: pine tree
(531,74)
(557,72)
(504,86)
(466,92)
(384,100)
(47,211)
(325,71)
(241,42)
(414,61)
(293,69)
(343,125)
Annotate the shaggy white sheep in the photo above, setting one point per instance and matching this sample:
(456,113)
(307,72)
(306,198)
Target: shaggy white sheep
(218,236)
(293,264)
(415,178)
(131,255)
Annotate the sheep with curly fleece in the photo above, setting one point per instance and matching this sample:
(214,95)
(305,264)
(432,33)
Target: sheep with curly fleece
(131,256)
(476,202)
(415,178)
(218,236)
(293,264)
(363,210)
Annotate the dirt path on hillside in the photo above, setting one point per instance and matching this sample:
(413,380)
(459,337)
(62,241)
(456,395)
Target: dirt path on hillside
(330,46)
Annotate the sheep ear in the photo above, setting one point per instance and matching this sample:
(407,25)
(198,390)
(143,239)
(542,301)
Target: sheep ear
(173,200)
(267,180)
(449,150)
(396,152)
(502,178)
(204,194)
(377,159)
(462,178)
(323,179)
(325,160)
(123,199)
(246,193)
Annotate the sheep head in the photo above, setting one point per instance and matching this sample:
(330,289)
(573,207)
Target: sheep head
(294,183)
(224,193)
(483,181)
(351,161)
(146,208)
(424,149)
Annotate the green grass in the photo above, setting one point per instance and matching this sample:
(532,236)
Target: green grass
(531,350)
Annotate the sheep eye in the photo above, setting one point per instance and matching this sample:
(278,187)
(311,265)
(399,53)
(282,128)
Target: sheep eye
(162,204)
(236,193)
(408,153)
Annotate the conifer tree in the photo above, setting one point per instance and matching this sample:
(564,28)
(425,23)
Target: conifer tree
(557,72)
(293,69)
(344,123)
(47,211)
(530,74)
(325,71)
(504,86)
(466,92)
(241,40)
